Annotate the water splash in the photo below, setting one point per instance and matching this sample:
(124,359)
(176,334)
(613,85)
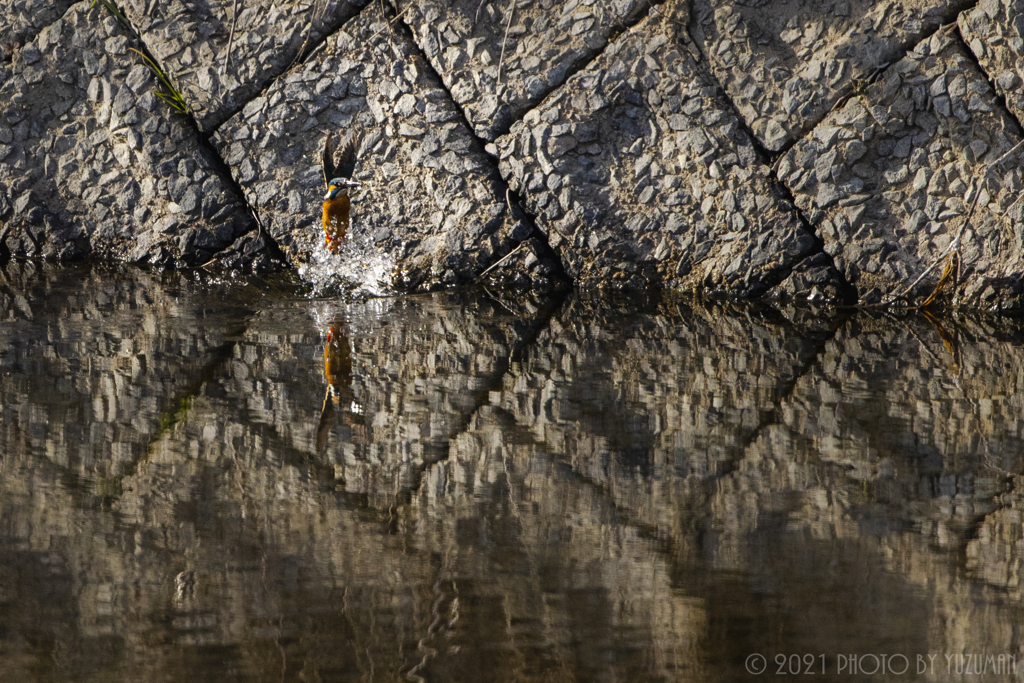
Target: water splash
(361,319)
(358,268)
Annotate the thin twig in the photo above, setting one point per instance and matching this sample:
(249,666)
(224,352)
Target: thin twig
(918,339)
(955,244)
(501,303)
(391,31)
(231,38)
(387,23)
(259,223)
(309,32)
(508,23)
(654,9)
(502,260)
(857,88)
(956,279)
(1007,153)
(302,48)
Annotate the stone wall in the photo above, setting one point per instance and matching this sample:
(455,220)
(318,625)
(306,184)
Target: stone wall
(841,150)
(432,197)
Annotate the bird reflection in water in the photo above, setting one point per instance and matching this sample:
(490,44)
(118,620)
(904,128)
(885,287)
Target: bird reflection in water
(338,373)
(338,167)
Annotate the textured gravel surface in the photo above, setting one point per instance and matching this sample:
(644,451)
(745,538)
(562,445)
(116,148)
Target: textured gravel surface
(890,177)
(498,58)
(785,63)
(627,144)
(21,20)
(93,163)
(432,197)
(190,41)
(994,30)
(640,174)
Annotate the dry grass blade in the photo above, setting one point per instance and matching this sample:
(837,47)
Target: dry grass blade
(949,341)
(502,260)
(383,13)
(942,281)
(231,37)
(323,428)
(388,24)
(112,8)
(504,39)
(953,247)
(319,10)
(170,95)
(953,250)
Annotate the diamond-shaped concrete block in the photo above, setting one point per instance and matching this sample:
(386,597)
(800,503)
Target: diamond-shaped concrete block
(191,43)
(498,58)
(92,162)
(889,179)
(640,175)
(785,63)
(432,196)
(994,30)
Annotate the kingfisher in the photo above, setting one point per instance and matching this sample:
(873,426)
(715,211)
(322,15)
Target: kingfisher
(338,373)
(337,363)
(338,169)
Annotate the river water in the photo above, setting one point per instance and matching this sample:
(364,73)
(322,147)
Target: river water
(217,481)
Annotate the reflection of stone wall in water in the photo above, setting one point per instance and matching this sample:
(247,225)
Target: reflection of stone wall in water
(924,418)
(650,412)
(601,477)
(914,438)
(93,369)
(640,406)
(228,521)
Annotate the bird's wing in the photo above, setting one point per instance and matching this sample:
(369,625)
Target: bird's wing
(328,160)
(347,156)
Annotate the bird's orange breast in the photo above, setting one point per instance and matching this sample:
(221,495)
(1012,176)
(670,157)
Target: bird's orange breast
(337,358)
(335,220)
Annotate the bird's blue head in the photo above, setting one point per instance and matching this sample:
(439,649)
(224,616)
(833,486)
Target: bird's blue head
(339,185)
